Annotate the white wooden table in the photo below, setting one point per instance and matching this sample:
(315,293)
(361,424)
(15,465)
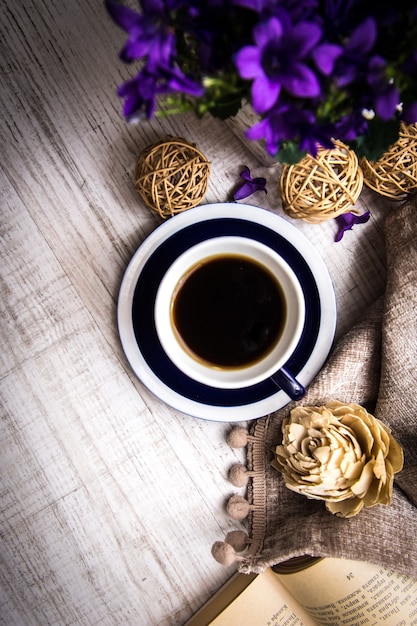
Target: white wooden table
(110,500)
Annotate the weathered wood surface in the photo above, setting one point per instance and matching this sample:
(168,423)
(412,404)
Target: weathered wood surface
(110,500)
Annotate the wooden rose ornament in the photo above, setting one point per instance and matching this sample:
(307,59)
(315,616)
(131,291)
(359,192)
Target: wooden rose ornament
(338,453)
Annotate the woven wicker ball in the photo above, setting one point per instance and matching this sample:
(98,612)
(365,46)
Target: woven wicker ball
(316,189)
(395,174)
(171,176)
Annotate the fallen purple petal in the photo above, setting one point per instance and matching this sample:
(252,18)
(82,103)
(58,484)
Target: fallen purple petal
(250,186)
(346,221)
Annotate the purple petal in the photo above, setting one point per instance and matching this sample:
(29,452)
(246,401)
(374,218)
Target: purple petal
(325,57)
(348,76)
(261,130)
(264,94)
(363,218)
(386,102)
(162,50)
(301,81)
(302,38)
(123,16)
(245,173)
(364,36)
(346,221)
(376,68)
(178,81)
(133,50)
(257,131)
(248,62)
(265,32)
(139,95)
(260,182)
(244,191)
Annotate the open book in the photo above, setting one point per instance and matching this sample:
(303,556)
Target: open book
(329,591)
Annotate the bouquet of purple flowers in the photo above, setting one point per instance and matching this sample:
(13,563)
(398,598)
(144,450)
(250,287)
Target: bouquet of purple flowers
(312,70)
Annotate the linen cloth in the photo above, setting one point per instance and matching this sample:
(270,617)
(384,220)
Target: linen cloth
(374,365)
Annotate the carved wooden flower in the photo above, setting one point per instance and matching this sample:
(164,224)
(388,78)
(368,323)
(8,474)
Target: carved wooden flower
(338,453)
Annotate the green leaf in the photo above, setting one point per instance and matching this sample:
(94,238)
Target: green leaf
(380,136)
(290,153)
(226,108)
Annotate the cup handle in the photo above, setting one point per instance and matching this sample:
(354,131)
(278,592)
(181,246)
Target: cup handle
(286,381)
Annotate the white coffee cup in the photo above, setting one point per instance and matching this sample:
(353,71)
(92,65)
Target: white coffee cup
(271,267)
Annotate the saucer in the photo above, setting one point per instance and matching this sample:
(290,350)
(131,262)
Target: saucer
(137,300)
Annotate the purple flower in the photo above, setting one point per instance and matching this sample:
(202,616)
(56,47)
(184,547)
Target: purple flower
(346,221)
(348,127)
(250,186)
(286,123)
(272,128)
(143,29)
(152,40)
(139,94)
(277,61)
(141,91)
(353,62)
(385,93)
(312,69)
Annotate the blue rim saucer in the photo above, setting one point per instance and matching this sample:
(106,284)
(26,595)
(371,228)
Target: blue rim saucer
(137,299)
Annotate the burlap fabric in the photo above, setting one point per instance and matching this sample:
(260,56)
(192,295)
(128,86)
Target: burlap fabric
(373,365)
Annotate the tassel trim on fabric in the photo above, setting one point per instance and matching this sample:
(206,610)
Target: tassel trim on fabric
(226,552)
(239,437)
(239,475)
(239,545)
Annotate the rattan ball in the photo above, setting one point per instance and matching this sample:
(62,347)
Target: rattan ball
(395,174)
(321,187)
(171,176)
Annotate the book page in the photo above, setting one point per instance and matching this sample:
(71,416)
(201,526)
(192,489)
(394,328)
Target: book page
(264,603)
(351,593)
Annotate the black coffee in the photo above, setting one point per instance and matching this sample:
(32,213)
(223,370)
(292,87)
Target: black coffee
(229,311)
